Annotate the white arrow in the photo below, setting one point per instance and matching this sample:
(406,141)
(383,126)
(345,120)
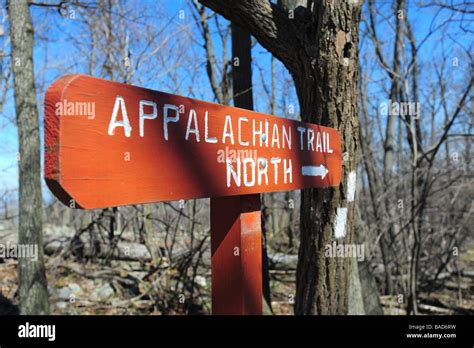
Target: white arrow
(320,170)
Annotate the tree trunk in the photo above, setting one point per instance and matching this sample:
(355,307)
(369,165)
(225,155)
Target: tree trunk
(148,231)
(394,93)
(32,278)
(389,145)
(369,289)
(289,208)
(327,89)
(319,46)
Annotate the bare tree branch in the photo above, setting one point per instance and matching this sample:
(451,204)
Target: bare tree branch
(266,21)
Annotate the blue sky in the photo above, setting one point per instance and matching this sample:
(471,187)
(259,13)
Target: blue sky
(56,54)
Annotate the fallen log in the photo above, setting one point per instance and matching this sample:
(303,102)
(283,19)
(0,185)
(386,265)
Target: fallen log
(63,241)
(467,274)
(433,309)
(128,251)
(434,301)
(280,261)
(123,251)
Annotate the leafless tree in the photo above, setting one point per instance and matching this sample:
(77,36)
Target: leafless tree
(34,297)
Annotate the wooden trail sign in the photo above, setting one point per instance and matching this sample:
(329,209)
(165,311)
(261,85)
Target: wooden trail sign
(109,144)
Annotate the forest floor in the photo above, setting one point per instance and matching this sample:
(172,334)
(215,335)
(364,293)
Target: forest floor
(83,289)
(453,295)
(119,288)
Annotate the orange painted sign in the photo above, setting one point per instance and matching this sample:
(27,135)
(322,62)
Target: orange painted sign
(111,144)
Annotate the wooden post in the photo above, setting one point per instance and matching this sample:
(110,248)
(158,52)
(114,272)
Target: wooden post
(236,231)
(236,245)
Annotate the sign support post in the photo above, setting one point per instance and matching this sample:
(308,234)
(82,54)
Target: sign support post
(236,246)
(236,230)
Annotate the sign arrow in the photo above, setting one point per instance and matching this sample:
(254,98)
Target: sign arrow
(320,170)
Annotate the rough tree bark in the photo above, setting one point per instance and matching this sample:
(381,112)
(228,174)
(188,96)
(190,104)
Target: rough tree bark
(32,278)
(319,46)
